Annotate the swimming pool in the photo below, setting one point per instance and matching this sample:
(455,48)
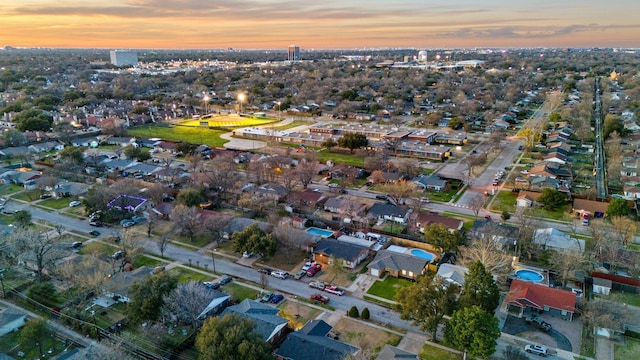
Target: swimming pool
(529,275)
(320,232)
(422,254)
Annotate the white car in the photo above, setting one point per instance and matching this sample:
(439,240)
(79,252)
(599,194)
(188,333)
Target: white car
(247,254)
(75,203)
(279,274)
(536,349)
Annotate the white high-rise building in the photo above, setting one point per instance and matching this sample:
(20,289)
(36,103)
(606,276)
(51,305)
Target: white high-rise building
(422,56)
(124,57)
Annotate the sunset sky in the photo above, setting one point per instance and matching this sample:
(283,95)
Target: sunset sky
(329,24)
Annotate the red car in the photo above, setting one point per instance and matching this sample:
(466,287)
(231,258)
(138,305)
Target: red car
(315,268)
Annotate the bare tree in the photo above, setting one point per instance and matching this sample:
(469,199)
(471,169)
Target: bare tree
(39,250)
(477,203)
(306,169)
(186,220)
(565,263)
(488,252)
(264,280)
(187,302)
(90,273)
(214,228)
(60,229)
(107,350)
(601,313)
(163,241)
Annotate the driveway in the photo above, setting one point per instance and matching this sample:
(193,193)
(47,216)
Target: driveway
(519,327)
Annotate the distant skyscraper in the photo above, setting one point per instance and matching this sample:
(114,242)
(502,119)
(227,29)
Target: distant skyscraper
(422,56)
(294,53)
(124,57)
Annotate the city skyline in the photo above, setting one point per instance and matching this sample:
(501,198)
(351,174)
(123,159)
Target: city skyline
(263,24)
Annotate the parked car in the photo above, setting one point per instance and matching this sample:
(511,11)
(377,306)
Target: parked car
(277,298)
(299,274)
(541,324)
(279,274)
(264,271)
(312,271)
(95,223)
(211,285)
(127,223)
(319,298)
(225,280)
(45,196)
(76,245)
(94,233)
(267,297)
(307,265)
(75,203)
(247,254)
(536,349)
(334,290)
(317,285)
(118,254)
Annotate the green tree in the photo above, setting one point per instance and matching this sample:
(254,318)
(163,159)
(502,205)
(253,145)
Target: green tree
(137,153)
(617,207)
(186,148)
(473,330)
(190,197)
(505,215)
(613,123)
(439,235)
(147,296)
(353,312)
(254,239)
(555,117)
(14,137)
(329,144)
(22,218)
(353,141)
(552,199)
(479,289)
(72,154)
(43,293)
(426,302)
(231,337)
(33,120)
(365,315)
(34,332)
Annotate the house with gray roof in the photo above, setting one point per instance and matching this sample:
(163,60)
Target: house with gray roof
(46,146)
(143,169)
(313,341)
(389,212)
(269,325)
(119,284)
(389,352)
(14,151)
(397,265)
(344,205)
(351,254)
(430,182)
(503,234)
(452,274)
(269,190)
(11,320)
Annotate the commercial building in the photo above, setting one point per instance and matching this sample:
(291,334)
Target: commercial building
(294,53)
(124,57)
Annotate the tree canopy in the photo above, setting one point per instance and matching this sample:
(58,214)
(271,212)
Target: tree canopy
(353,141)
(439,235)
(33,120)
(473,330)
(479,289)
(254,239)
(147,296)
(231,337)
(426,302)
(617,207)
(552,199)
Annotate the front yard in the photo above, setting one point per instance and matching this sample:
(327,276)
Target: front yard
(363,336)
(388,288)
(630,349)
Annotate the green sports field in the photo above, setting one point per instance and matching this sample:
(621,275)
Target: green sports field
(227,121)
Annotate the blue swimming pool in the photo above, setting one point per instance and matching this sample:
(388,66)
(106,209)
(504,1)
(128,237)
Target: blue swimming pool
(422,254)
(320,232)
(529,275)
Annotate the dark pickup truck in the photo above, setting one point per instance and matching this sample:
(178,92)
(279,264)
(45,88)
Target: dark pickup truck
(319,298)
(541,324)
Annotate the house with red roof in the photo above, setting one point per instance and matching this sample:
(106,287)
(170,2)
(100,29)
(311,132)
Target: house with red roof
(524,294)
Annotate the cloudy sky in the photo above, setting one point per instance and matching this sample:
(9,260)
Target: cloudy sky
(268,24)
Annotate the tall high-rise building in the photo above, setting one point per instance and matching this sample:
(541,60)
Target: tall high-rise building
(124,57)
(294,53)
(422,56)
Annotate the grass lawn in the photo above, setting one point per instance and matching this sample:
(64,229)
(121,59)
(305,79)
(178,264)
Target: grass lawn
(24,196)
(12,343)
(340,158)
(430,352)
(210,137)
(186,275)
(56,203)
(629,350)
(364,336)
(239,292)
(10,189)
(295,123)
(388,287)
(504,201)
(442,196)
(142,260)
(298,314)
(198,241)
(627,298)
(97,248)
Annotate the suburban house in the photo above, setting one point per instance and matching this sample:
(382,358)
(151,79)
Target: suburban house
(307,198)
(118,285)
(344,205)
(269,325)
(430,182)
(219,301)
(389,212)
(11,320)
(525,295)
(313,341)
(128,202)
(46,146)
(425,219)
(527,198)
(68,188)
(583,208)
(554,239)
(550,169)
(602,286)
(390,352)
(503,234)
(452,274)
(25,178)
(271,191)
(329,249)
(397,265)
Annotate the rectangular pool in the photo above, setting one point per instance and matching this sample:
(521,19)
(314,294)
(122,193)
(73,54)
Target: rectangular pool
(320,232)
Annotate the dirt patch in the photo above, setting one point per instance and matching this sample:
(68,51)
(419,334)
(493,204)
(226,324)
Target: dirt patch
(284,259)
(297,313)
(538,337)
(363,336)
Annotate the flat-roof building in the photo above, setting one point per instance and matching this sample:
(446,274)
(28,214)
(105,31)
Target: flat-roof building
(124,57)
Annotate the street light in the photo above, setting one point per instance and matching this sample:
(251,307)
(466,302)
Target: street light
(241,98)
(206,103)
